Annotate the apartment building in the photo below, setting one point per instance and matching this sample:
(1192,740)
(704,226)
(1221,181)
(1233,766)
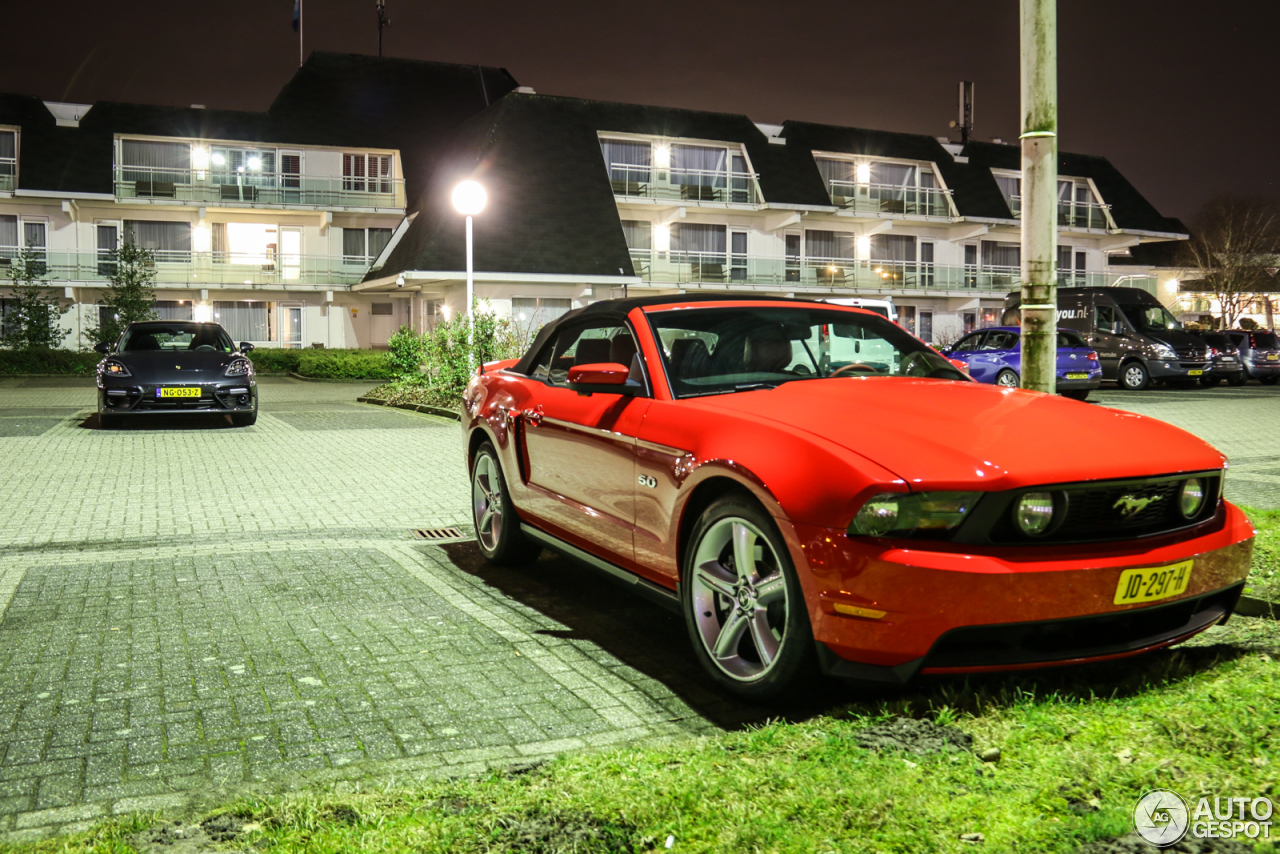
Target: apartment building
(327,219)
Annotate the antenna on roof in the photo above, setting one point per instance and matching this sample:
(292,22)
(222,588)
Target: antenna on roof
(483,88)
(966,111)
(383,22)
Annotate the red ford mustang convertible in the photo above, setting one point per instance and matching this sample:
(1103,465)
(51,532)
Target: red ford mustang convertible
(817,490)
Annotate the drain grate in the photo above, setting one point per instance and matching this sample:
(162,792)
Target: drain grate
(438,534)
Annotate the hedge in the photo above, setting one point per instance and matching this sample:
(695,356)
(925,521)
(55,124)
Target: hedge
(64,362)
(322,364)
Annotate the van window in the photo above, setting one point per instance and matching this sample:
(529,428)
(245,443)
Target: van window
(1104,318)
(1150,318)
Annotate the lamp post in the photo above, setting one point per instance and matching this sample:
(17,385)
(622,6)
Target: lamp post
(469,199)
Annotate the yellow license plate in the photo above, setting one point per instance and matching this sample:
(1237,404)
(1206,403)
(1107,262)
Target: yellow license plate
(1194,373)
(1272,357)
(1152,584)
(1077,376)
(177,392)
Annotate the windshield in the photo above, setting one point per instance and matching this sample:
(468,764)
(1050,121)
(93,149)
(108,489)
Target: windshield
(1265,341)
(719,350)
(1219,341)
(1150,318)
(177,336)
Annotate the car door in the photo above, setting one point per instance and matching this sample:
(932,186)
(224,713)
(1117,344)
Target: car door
(1000,350)
(1104,338)
(965,348)
(579,449)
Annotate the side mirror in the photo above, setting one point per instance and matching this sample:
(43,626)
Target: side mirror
(947,351)
(245,347)
(603,378)
(104,348)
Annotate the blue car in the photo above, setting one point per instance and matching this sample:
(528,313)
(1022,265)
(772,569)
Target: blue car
(994,356)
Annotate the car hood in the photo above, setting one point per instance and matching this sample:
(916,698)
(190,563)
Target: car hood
(174,366)
(1178,339)
(943,434)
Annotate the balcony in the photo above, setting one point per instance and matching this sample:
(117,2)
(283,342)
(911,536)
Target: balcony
(1071,215)
(8,174)
(258,189)
(890,198)
(201,269)
(683,185)
(749,271)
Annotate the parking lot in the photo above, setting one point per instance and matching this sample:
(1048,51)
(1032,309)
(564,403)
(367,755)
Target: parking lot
(192,607)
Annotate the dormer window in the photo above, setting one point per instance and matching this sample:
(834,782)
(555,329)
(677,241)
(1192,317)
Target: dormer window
(883,186)
(1078,207)
(684,171)
(8,159)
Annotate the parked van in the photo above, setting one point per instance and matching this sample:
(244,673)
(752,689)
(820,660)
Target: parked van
(1137,339)
(882,307)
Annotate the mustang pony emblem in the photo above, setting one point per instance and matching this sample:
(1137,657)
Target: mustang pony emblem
(1128,505)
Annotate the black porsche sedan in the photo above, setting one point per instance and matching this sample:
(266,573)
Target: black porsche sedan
(167,366)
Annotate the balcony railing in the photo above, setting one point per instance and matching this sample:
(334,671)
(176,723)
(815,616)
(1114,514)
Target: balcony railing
(686,185)
(252,189)
(1071,214)
(198,269)
(692,268)
(890,198)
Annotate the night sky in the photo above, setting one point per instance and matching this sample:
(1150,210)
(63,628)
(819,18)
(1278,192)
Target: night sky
(1180,95)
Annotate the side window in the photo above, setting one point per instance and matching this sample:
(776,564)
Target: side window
(591,344)
(970,343)
(1104,318)
(1000,341)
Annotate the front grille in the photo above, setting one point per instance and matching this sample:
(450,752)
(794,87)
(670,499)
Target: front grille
(1094,512)
(1079,637)
(1192,353)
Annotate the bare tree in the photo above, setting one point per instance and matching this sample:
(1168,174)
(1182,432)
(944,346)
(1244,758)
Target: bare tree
(1233,246)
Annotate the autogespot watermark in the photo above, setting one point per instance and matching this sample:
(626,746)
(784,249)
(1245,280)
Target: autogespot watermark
(1162,818)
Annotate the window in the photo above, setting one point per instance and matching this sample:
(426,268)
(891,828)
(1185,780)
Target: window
(533,313)
(793,257)
(1011,188)
(167,309)
(639,234)
(628,164)
(8,236)
(698,166)
(970,321)
(382,309)
(367,173)
(177,336)
(243,167)
(170,241)
(155,167)
(926,326)
(8,159)
(926,265)
(290,170)
(108,243)
(249,243)
(245,320)
(893,258)
(1001,256)
(363,245)
(828,244)
(604,341)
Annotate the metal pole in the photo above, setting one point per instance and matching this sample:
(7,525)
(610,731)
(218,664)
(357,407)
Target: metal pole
(471,288)
(1039,194)
(300,33)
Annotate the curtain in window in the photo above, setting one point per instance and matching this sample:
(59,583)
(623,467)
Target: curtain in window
(244,321)
(8,232)
(698,239)
(155,161)
(33,235)
(698,165)
(893,248)
(1001,254)
(378,240)
(829,244)
(639,234)
(627,161)
(1009,186)
(8,144)
(837,170)
(893,174)
(171,241)
(218,242)
(173,310)
(353,244)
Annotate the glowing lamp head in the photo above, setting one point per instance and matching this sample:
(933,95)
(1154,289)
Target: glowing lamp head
(199,158)
(255,163)
(469,198)
(863,173)
(218,159)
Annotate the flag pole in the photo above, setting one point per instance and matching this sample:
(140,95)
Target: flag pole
(299,33)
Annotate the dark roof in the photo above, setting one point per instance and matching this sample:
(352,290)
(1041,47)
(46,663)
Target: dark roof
(334,99)
(551,206)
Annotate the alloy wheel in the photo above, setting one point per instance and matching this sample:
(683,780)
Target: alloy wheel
(739,598)
(486,501)
(1008,379)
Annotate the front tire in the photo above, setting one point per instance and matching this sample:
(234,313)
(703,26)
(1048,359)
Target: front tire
(1237,380)
(1211,382)
(1134,376)
(497,526)
(1077,394)
(1007,379)
(742,601)
(245,419)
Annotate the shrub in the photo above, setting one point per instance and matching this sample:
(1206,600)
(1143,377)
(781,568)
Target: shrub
(346,364)
(62,362)
(275,360)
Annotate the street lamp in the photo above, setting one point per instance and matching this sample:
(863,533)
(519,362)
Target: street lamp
(468,199)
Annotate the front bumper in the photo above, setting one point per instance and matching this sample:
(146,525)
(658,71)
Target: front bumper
(1176,370)
(954,608)
(237,394)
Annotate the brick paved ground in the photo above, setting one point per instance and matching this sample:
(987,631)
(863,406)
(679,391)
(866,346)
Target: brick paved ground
(193,608)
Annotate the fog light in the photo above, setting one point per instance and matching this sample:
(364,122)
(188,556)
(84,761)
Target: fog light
(1034,513)
(242,399)
(1192,497)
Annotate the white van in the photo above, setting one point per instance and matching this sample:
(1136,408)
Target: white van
(882,307)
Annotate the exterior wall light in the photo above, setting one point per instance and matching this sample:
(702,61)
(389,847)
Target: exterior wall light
(255,163)
(199,158)
(219,159)
(662,156)
(864,173)
(662,238)
(864,248)
(1171,286)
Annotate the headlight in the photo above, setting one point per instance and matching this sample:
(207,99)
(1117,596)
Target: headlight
(1034,513)
(239,368)
(112,368)
(1164,351)
(930,514)
(1191,499)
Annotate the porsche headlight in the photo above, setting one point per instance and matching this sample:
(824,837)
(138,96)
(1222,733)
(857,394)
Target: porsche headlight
(112,368)
(912,514)
(239,368)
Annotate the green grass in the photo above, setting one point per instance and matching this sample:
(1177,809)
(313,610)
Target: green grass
(1079,747)
(1264,578)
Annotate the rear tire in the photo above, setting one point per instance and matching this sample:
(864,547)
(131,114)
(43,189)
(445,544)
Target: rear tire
(1007,379)
(1237,380)
(743,604)
(497,526)
(1134,376)
(1211,382)
(1268,380)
